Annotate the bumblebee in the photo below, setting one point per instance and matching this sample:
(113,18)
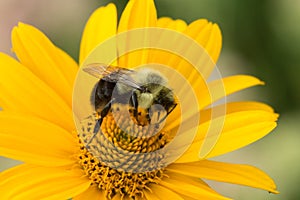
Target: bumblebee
(145,89)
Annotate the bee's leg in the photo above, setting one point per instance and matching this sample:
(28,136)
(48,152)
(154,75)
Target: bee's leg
(169,111)
(103,113)
(98,125)
(148,117)
(135,104)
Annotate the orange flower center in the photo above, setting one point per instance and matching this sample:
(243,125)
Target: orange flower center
(113,156)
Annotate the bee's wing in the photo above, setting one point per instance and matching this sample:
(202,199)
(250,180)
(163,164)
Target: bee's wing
(128,80)
(111,73)
(100,70)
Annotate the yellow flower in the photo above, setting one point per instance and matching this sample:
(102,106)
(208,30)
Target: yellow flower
(36,124)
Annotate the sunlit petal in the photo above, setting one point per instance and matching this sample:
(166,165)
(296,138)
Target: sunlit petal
(45,60)
(137,14)
(226,172)
(101,25)
(34,182)
(161,193)
(22,91)
(92,193)
(244,123)
(190,187)
(35,141)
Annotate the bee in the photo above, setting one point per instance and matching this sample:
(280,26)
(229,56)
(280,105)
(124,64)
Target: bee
(142,90)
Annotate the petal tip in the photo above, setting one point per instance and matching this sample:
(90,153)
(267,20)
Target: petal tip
(274,192)
(111,5)
(21,25)
(262,82)
(276,116)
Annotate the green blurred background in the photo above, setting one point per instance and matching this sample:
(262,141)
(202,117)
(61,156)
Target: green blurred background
(260,37)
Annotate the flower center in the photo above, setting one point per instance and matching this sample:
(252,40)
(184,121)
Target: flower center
(112,157)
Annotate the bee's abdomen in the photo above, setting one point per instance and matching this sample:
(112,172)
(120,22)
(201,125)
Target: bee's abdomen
(103,93)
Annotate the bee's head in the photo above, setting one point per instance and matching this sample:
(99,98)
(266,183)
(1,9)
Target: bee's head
(150,76)
(152,108)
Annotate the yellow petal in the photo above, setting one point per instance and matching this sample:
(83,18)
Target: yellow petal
(226,172)
(35,141)
(223,87)
(245,123)
(151,196)
(214,44)
(202,32)
(92,193)
(119,197)
(137,14)
(101,25)
(44,59)
(161,193)
(171,43)
(34,182)
(22,91)
(163,22)
(238,139)
(209,36)
(233,107)
(160,56)
(190,187)
(218,111)
(177,25)
(208,93)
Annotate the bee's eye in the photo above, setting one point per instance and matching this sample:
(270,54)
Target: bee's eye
(145,90)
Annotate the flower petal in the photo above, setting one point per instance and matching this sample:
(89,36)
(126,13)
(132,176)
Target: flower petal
(160,56)
(215,90)
(137,14)
(226,172)
(119,197)
(22,91)
(101,25)
(204,42)
(92,193)
(223,87)
(208,36)
(177,25)
(35,141)
(182,63)
(161,193)
(34,182)
(163,22)
(45,60)
(238,139)
(190,187)
(244,123)
(233,107)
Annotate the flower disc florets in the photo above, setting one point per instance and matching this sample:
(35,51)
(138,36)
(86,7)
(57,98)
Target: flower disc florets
(98,158)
